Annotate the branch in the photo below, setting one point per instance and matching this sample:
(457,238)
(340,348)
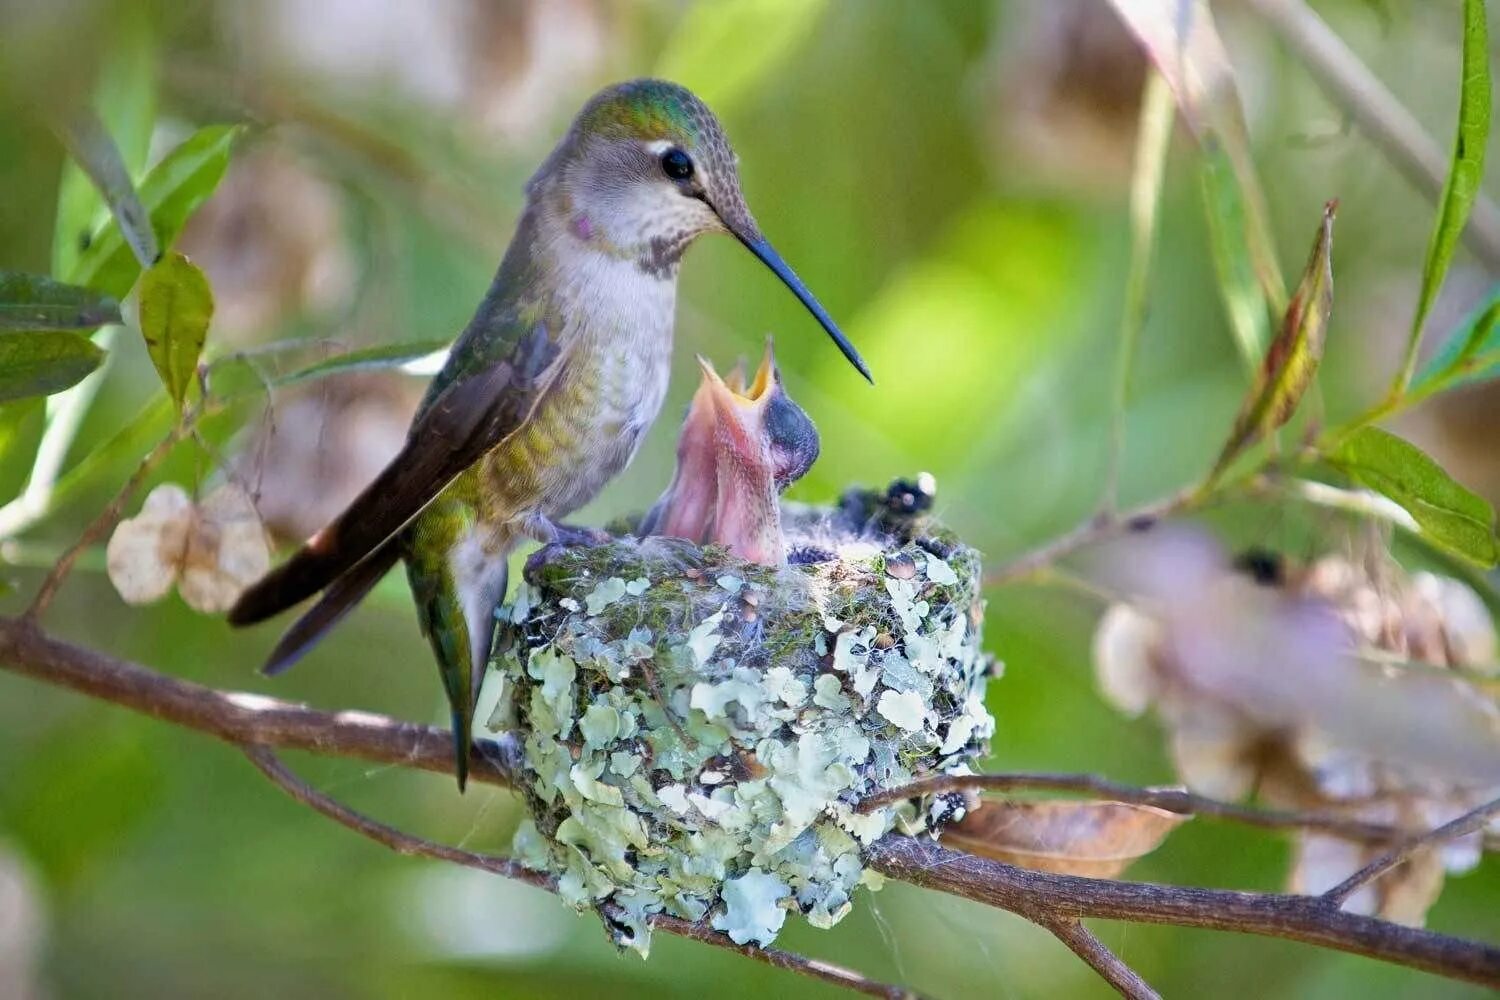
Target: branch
(1378,113)
(257,721)
(1173,800)
(1096,529)
(1469,822)
(404,843)
(1042,897)
(1103,961)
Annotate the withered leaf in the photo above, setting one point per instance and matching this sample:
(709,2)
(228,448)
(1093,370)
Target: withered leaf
(1098,839)
(1294,355)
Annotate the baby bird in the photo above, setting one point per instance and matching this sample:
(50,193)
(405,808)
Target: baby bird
(739,449)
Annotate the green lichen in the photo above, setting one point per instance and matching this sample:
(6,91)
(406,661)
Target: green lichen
(699,730)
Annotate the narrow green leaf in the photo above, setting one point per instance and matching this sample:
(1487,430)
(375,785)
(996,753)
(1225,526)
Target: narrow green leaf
(366,359)
(176,307)
(125,99)
(1471,353)
(33,302)
(1448,513)
(92,147)
(1464,175)
(1229,239)
(172,192)
(41,362)
(1180,38)
(1293,358)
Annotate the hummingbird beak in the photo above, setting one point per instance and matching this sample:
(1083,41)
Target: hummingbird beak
(761,247)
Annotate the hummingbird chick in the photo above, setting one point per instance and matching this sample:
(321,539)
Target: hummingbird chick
(739,449)
(546,395)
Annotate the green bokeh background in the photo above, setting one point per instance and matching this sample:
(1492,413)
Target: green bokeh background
(883,151)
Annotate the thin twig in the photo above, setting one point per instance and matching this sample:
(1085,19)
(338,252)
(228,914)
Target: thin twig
(1378,113)
(1092,531)
(259,721)
(404,843)
(1469,822)
(1173,800)
(1041,896)
(1110,966)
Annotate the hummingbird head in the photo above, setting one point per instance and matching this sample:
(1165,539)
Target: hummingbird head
(645,170)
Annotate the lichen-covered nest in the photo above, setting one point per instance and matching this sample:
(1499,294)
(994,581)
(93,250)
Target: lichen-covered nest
(699,730)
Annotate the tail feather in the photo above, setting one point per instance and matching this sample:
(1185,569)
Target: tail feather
(337,601)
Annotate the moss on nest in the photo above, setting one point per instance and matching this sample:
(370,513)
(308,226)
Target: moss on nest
(698,730)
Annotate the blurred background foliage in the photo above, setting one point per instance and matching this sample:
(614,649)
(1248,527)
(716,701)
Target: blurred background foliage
(950,176)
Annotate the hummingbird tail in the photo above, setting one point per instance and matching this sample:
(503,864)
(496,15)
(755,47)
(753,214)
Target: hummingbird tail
(337,601)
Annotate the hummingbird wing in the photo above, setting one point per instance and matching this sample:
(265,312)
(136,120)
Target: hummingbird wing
(475,403)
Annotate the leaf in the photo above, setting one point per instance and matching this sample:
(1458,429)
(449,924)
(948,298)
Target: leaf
(1448,513)
(1180,38)
(367,359)
(1292,360)
(125,99)
(90,144)
(1464,174)
(176,307)
(1097,839)
(710,52)
(1229,240)
(33,302)
(41,362)
(1471,353)
(171,192)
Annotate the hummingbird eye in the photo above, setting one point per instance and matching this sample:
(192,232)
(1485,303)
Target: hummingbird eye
(676,164)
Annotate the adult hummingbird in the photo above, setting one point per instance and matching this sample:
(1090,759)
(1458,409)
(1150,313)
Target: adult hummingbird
(548,391)
(739,449)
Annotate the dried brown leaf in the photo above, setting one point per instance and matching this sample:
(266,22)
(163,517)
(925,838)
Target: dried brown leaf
(1098,839)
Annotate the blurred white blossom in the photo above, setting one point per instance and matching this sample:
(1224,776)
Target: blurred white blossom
(1343,685)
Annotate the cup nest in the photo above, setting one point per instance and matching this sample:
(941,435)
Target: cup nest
(699,730)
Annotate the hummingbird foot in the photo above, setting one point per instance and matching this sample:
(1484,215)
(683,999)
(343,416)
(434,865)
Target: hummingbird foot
(543,529)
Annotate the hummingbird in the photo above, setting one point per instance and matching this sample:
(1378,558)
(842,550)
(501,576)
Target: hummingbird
(739,449)
(547,393)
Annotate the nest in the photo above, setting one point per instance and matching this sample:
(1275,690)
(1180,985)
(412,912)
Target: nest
(699,730)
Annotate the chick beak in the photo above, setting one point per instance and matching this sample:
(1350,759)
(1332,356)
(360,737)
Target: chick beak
(747,519)
(745,230)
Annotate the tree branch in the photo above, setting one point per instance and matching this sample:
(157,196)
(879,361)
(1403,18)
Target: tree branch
(1469,822)
(1103,961)
(1378,113)
(1043,896)
(256,721)
(1173,800)
(404,843)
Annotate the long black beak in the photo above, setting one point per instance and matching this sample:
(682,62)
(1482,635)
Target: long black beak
(759,246)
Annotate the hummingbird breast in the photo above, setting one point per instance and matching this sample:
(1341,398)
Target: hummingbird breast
(617,336)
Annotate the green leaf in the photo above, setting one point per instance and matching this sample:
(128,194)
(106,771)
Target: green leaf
(176,307)
(125,99)
(1472,352)
(1180,38)
(172,192)
(367,359)
(33,302)
(92,147)
(1448,513)
(711,50)
(1229,239)
(41,362)
(1464,174)
(1293,358)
